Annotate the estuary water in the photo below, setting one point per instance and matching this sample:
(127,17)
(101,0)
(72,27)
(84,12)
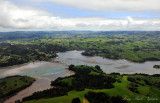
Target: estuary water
(108,65)
(55,69)
(45,72)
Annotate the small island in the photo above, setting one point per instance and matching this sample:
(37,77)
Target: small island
(156,66)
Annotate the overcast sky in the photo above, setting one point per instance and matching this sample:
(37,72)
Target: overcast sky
(79,15)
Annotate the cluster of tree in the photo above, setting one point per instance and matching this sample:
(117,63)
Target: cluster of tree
(150,59)
(83,79)
(76,100)
(89,53)
(117,54)
(147,82)
(92,52)
(156,66)
(156,75)
(108,53)
(85,69)
(151,80)
(133,87)
(19,54)
(53,92)
(131,79)
(101,97)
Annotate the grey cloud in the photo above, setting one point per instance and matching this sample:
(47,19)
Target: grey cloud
(111,5)
(14,17)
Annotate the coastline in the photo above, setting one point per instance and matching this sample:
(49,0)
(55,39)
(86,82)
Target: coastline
(40,84)
(140,62)
(19,65)
(69,71)
(35,86)
(16,91)
(31,62)
(23,64)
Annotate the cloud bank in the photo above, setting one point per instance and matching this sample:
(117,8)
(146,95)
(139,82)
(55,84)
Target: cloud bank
(17,17)
(111,5)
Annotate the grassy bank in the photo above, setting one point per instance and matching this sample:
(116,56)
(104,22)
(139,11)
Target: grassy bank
(9,86)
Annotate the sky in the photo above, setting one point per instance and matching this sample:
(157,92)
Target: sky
(96,15)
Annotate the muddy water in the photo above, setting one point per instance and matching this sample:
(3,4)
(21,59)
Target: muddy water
(33,69)
(108,65)
(42,83)
(38,85)
(45,72)
(74,57)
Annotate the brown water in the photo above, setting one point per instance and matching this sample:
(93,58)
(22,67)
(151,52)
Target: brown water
(109,65)
(39,85)
(42,83)
(45,72)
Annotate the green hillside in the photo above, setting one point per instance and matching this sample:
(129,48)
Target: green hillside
(89,86)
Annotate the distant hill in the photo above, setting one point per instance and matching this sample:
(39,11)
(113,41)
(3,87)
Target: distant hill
(15,35)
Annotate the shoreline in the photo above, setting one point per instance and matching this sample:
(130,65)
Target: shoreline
(39,84)
(140,62)
(23,64)
(69,71)
(20,65)
(26,91)
(54,61)
(16,91)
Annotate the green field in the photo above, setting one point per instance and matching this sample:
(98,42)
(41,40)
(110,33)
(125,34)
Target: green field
(120,89)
